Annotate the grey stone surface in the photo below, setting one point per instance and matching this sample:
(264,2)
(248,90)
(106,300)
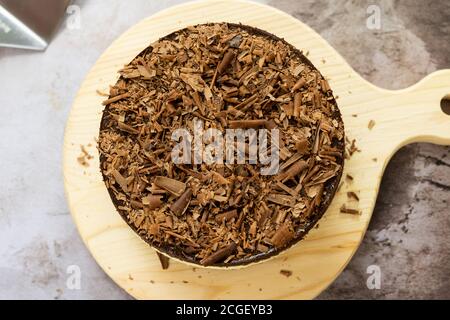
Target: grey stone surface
(407,238)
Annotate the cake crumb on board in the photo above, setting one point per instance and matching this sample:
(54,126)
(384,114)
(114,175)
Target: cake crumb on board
(84,157)
(286,273)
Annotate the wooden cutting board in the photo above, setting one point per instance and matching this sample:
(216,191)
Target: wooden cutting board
(401,117)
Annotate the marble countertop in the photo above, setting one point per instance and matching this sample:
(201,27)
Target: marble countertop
(407,238)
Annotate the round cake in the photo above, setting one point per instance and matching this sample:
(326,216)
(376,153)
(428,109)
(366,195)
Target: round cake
(221,145)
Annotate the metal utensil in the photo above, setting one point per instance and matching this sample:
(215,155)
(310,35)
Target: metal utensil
(30,24)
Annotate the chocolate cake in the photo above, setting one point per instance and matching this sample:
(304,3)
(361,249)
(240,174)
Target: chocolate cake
(210,79)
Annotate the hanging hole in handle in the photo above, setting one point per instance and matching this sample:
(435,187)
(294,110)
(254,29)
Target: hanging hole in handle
(445,104)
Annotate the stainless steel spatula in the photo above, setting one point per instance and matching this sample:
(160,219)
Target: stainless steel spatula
(30,24)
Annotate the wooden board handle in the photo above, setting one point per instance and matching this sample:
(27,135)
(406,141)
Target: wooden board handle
(403,116)
(419,108)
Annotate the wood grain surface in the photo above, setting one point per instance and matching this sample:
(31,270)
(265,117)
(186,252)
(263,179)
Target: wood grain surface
(400,117)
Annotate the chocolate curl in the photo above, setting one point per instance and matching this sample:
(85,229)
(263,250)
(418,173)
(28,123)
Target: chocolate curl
(219,255)
(179,206)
